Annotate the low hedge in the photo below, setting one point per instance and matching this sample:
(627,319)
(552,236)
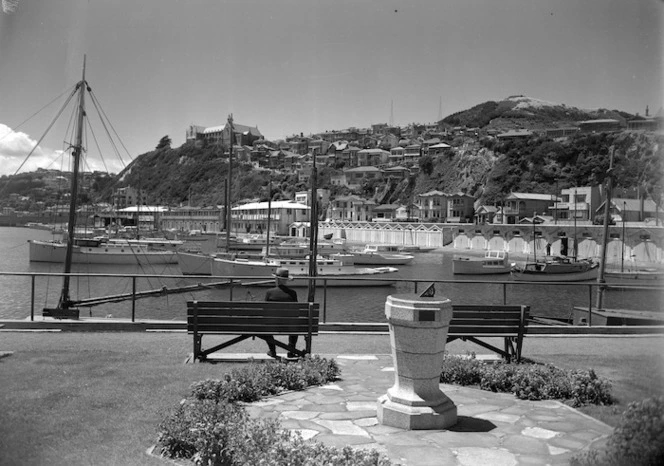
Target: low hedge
(528,381)
(211,428)
(637,441)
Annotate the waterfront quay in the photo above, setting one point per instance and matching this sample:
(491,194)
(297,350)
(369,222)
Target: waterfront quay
(634,242)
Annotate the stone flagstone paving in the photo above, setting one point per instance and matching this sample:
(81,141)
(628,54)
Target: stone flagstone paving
(493,429)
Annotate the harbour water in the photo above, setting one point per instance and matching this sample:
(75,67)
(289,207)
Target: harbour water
(342,304)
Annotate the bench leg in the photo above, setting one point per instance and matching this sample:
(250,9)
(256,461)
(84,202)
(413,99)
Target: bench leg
(197,346)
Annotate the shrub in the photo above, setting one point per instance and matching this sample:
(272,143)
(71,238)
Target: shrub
(460,370)
(255,381)
(638,440)
(210,428)
(528,381)
(588,388)
(222,433)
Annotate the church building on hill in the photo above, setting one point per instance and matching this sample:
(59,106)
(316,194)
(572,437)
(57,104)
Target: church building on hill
(243,135)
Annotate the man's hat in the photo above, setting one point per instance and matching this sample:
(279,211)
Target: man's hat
(282,273)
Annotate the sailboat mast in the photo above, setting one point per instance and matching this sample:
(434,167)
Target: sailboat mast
(228,194)
(534,239)
(313,227)
(76,156)
(605,232)
(575,250)
(269,217)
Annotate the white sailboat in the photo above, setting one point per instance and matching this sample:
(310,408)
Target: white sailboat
(554,268)
(98,250)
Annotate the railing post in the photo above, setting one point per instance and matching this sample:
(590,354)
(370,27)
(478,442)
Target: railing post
(32,299)
(231,290)
(133,298)
(325,300)
(414,282)
(504,294)
(590,305)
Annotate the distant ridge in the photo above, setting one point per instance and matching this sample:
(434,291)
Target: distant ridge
(519,111)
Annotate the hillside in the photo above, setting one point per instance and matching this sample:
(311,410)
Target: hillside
(525,112)
(483,167)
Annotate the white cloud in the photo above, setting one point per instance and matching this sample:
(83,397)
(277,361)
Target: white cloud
(15,147)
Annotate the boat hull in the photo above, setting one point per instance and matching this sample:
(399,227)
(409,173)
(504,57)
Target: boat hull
(337,275)
(381,259)
(527,276)
(45,251)
(478,266)
(635,278)
(195,264)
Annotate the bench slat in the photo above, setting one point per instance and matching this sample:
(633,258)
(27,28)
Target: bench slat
(472,330)
(278,313)
(485,307)
(248,305)
(487,322)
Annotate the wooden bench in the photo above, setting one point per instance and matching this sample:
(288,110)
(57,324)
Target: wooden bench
(471,322)
(249,319)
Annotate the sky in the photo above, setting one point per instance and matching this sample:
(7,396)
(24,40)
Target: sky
(306,66)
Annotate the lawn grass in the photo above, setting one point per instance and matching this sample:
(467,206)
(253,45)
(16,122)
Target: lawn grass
(633,378)
(97,398)
(70,403)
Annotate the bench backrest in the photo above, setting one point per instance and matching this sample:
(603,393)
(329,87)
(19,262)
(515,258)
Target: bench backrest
(469,319)
(252,317)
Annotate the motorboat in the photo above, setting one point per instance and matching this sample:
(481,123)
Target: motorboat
(556,269)
(295,249)
(329,272)
(493,262)
(381,254)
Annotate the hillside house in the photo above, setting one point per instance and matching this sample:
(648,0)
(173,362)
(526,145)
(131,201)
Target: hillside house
(385,213)
(396,155)
(520,205)
(412,153)
(396,173)
(631,210)
(338,179)
(352,209)
(356,177)
(432,206)
(485,214)
(252,217)
(439,149)
(576,203)
(372,157)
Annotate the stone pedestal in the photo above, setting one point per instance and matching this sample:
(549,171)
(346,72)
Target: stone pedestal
(418,332)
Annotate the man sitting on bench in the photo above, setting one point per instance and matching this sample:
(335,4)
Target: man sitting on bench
(280,292)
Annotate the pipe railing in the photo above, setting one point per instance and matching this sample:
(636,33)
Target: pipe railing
(248,281)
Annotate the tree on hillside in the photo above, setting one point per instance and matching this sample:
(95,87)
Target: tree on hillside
(164,143)
(426,164)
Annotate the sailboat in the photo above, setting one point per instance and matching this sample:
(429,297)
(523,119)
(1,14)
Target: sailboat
(554,268)
(82,250)
(73,249)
